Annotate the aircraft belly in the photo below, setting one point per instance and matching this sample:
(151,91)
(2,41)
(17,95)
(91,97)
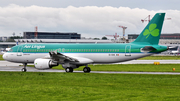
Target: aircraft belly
(110,57)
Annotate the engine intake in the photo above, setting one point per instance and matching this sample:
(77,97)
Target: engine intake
(44,63)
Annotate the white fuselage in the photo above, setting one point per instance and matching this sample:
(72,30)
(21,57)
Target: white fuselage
(95,57)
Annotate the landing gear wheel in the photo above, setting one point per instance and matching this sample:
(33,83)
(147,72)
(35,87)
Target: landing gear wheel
(87,69)
(23,69)
(69,69)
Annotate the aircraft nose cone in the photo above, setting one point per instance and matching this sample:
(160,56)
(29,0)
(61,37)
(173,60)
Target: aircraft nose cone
(5,56)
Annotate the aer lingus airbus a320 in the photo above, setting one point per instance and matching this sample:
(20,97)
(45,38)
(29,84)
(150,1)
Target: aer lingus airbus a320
(71,56)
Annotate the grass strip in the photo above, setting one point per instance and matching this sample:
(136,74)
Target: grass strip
(18,86)
(129,67)
(1,58)
(160,58)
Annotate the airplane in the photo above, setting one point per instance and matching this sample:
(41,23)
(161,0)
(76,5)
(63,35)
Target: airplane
(174,50)
(6,50)
(71,56)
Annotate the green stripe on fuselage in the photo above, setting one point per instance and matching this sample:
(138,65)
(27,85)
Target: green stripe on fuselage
(79,48)
(75,48)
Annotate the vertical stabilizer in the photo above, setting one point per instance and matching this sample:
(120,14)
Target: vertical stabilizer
(152,32)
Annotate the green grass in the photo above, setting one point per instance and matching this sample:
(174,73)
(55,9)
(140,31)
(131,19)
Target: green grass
(131,67)
(161,58)
(18,86)
(1,57)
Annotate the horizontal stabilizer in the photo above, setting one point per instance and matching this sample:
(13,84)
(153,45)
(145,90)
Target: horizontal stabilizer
(148,49)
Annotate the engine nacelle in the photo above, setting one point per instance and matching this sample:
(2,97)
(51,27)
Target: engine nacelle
(44,63)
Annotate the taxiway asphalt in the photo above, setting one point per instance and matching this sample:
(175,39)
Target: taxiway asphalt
(15,67)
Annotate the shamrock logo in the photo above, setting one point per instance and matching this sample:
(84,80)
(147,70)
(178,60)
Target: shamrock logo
(152,30)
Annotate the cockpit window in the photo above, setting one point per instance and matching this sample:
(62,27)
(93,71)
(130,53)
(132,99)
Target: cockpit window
(10,50)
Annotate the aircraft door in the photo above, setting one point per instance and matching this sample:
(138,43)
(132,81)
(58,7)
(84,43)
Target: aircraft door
(128,50)
(19,51)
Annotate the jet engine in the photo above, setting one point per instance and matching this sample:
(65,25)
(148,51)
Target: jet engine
(44,63)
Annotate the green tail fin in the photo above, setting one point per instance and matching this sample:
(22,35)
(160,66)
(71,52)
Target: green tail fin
(152,31)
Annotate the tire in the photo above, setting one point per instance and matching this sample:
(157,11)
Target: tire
(23,69)
(69,69)
(87,70)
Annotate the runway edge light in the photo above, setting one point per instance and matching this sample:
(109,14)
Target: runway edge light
(156,63)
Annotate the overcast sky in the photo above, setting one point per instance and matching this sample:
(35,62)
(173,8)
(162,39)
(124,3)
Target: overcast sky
(90,18)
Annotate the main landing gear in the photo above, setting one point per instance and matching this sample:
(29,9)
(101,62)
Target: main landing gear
(24,69)
(70,70)
(87,70)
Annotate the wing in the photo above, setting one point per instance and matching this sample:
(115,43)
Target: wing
(61,58)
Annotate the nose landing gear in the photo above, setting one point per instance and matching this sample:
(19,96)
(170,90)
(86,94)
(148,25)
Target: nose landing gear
(24,69)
